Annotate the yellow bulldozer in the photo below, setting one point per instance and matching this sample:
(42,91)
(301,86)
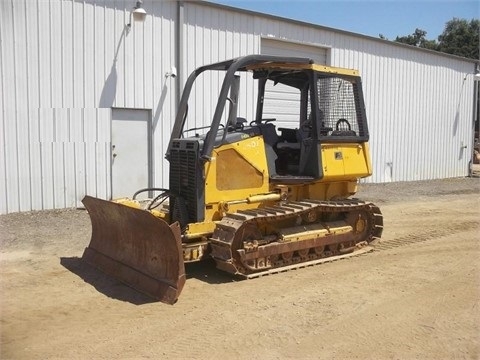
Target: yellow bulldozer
(258,196)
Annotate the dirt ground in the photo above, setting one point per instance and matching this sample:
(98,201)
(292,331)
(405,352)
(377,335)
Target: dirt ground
(416,296)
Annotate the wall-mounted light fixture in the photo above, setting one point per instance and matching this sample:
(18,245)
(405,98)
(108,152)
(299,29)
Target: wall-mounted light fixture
(172,73)
(476,75)
(138,13)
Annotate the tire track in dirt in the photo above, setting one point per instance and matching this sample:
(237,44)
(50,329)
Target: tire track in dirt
(426,235)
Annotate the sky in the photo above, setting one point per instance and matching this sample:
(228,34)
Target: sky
(369,17)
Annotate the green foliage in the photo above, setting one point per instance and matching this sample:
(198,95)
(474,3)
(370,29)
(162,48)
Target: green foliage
(416,39)
(460,37)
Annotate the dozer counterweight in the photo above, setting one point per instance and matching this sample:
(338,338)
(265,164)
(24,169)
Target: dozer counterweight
(257,195)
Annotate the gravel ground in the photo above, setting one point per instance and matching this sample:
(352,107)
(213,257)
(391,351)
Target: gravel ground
(415,190)
(415,296)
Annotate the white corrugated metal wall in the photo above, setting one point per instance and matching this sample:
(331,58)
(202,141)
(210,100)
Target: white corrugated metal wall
(419,103)
(209,35)
(66,63)
(419,106)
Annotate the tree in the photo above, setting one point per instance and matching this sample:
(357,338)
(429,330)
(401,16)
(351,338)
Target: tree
(461,38)
(416,39)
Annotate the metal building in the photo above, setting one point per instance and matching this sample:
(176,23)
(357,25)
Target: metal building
(87,101)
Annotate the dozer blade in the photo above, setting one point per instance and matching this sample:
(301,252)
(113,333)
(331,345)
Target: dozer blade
(136,248)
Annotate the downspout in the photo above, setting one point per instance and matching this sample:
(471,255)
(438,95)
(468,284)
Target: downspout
(179,51)
(476,111)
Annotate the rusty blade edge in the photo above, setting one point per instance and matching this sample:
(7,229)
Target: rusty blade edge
(162,291)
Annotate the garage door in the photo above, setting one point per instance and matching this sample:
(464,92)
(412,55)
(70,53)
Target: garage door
(281,102)
(285,48)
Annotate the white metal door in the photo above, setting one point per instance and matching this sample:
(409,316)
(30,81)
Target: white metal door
(130,151)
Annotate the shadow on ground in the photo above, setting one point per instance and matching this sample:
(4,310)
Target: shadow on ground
(204,271)
(103,283)
(207,272)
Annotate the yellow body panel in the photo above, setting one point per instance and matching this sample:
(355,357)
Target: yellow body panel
(236,172)
(322,190)
(345,161)
(198,230)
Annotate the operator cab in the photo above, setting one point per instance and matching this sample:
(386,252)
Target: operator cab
(300,107)
(310,109)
